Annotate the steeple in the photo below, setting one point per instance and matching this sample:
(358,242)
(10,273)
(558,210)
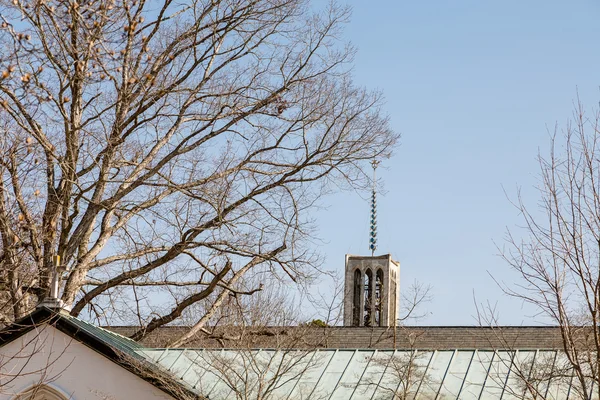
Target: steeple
(373,234)
(372,282)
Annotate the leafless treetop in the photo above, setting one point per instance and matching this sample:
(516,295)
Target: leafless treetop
(165,149)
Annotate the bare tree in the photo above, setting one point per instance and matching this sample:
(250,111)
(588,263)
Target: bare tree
(404,371)
(401,373)
(158,376)
(558,261)
(255,374)
(543,373)
(165,149)
(242,321)
(268,349)
(327,302)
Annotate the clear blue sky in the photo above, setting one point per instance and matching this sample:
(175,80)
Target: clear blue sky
(473,87)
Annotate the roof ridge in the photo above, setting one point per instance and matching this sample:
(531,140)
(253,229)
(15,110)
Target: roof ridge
(93,329)
(105,330)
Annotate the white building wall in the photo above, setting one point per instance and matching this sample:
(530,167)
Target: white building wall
(48,356)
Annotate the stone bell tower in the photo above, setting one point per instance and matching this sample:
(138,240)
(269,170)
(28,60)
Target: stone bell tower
(372,282)
(371,291)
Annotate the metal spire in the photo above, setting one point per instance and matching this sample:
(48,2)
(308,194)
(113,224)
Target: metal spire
(373,234)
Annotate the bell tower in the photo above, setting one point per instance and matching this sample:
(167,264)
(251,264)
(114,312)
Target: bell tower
(372,282)
(371,291)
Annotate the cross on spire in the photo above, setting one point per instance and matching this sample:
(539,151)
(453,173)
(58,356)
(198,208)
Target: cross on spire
(373,234)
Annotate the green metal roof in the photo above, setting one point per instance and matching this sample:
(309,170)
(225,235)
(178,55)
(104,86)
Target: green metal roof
(116,341)
(346,374)
(370,374)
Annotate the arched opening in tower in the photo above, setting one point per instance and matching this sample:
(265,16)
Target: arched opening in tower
(368,298)
(356,298)
(378,297)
